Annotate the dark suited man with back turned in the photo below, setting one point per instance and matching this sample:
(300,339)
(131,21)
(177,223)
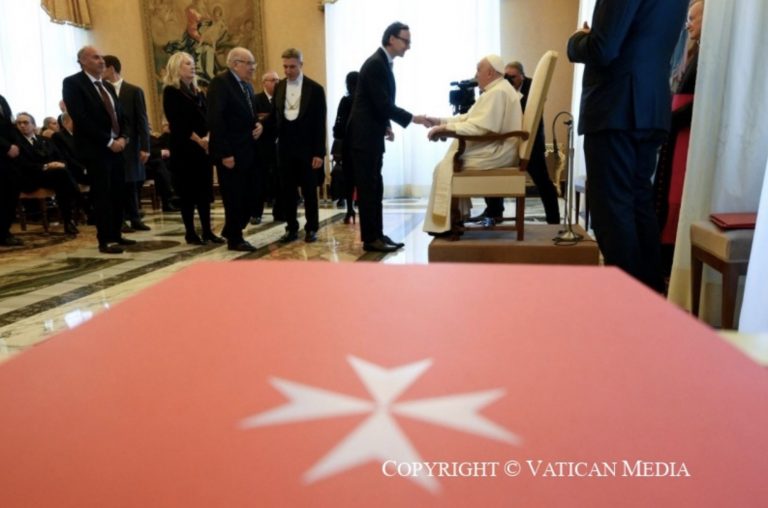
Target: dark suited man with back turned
(234,129)
(373,109)
(136,152)
(298,119)
(99,132)
(625,115)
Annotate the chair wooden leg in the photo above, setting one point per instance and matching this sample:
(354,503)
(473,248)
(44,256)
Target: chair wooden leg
(730,287)
(520,218)
(44,211)
(696,269)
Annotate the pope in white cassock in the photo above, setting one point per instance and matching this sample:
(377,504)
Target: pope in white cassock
(497,110)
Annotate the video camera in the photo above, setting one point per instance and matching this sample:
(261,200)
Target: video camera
(463,97)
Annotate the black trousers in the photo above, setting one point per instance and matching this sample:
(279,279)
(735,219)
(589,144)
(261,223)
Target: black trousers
(537,168)
(107,182)
(619,169)
(296,172)
(62,182)
(9,196)
(236,193)
(370,192)
(131,192)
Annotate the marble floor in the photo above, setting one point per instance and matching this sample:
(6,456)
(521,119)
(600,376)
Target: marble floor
(54,282)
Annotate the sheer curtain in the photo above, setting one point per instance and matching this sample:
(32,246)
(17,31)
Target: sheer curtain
(449,37)
(729,140)
(35,56)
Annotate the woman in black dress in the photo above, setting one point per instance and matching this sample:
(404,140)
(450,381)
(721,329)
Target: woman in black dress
(337,150)
(185,109)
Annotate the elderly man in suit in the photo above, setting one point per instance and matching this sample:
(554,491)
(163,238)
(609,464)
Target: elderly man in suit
(625,115)
(9,180)
(137,130)
(100,140)
(234,129)
(373,108)
(298,118)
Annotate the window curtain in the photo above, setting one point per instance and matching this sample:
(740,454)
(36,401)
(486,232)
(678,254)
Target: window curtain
(72,12)
(729,147)
(35,56)
(449,37)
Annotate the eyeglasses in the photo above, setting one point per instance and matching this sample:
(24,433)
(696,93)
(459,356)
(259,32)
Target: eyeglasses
(406,41)
(249,63)
(22,122)
(272,79)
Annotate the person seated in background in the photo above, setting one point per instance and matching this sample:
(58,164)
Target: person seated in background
(157,168)
(497,110)
(64,142)
(41,165)
(50,126)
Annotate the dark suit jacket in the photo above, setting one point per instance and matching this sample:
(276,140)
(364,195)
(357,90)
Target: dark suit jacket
(92,125)
(32,158)
(374,105)
(266,143)
(230,121)
(309,127)
(627,57)
(7,136)
(65,144)
(186,113)
(136,128)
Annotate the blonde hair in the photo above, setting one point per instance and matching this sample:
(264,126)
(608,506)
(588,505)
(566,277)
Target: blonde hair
(171,77)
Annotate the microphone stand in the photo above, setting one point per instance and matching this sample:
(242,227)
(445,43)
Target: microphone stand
(568,235)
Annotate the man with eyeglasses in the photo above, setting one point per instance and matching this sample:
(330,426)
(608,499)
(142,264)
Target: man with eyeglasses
(266,178)
(234,128)
(373,109)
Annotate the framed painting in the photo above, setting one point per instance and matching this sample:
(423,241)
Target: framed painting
(206,29)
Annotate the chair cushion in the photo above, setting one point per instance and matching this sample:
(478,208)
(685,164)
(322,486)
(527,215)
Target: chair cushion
(734,245)
(506,182)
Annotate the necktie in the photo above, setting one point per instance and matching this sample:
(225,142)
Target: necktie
(247,91)
(110,108)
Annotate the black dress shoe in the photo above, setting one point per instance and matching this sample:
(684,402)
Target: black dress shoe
(70,228)
(255,221)
(140,226)
(193,239)
(11,241)
(242,247)
(125,241)
(127,229)
(210,237)
(389,241)
(310,236)
(289,236)
(110,249)
(170,208)
(378,246)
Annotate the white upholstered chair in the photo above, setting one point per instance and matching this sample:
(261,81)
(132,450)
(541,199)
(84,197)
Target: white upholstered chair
(505,181)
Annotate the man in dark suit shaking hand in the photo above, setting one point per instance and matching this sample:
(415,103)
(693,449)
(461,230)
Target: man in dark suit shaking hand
(373,108)
(99,132)
(234,129)
(625,114)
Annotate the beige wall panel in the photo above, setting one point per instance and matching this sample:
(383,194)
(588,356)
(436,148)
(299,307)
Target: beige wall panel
(117,30)
(531,27)
(299,24)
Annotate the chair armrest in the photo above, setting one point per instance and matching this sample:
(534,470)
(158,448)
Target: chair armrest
(483,137)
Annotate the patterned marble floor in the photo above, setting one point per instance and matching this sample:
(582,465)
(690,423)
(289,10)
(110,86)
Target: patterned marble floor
(56,283)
